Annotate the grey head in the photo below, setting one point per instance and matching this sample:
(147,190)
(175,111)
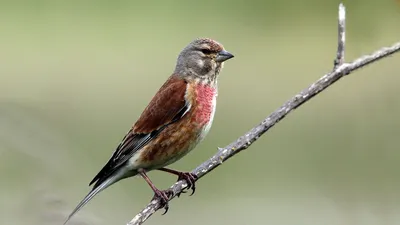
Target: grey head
(202,60)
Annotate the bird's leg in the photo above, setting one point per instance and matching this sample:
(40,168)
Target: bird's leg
(189,177)
(163,195)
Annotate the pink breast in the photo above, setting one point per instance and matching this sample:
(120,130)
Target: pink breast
(205,103)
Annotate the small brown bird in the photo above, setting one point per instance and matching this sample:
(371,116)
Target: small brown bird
(178,117)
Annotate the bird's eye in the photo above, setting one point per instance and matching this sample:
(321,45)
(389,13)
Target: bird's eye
(206,51)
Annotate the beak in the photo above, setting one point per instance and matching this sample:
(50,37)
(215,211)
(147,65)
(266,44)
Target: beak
(223,56)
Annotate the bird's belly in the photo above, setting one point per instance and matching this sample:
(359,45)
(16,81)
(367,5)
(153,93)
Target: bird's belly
(190,145)
(169,147)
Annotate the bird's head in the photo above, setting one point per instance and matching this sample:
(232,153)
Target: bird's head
(202,60)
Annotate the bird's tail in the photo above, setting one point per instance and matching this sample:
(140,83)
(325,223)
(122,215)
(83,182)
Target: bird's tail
(118,175)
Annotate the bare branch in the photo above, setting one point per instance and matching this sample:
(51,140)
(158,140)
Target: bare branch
(341,36)
(340,69)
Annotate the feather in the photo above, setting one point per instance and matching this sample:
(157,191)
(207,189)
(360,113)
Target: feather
(121,174)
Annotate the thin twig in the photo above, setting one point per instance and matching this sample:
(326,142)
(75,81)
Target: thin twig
(250,137)
(341,36)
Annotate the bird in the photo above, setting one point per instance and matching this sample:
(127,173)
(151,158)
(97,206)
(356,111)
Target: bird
(178,117)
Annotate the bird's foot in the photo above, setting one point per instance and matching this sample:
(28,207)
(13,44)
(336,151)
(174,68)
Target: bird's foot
(190,179)
(163,196)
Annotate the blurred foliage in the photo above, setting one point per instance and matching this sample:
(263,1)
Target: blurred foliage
(75,75)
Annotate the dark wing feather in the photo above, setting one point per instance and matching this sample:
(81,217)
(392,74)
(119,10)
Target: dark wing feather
(167,106)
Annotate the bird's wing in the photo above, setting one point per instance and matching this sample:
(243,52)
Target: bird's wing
(167,106)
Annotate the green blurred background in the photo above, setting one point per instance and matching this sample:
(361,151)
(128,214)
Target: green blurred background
(76,74)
